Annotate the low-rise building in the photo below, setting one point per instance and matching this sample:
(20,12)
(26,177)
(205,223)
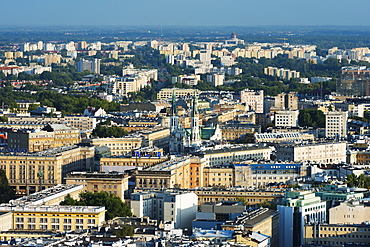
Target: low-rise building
(179,208)
(337,235)
(262,220)
(115,183)
(324,152)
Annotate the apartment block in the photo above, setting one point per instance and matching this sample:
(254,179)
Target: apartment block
(354,81)
(336,124)
(253,99)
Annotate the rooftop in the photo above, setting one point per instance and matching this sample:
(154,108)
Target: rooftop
(44,196)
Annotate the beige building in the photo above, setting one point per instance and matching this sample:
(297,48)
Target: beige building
(31,140)
(80,122)
(325,152)
(41,212)
(173,173)
(55,218)
(51,136)
(352,212)
(218,177)
(25,172)
(286,101)
(118,146)
(63,135)
(262,220)
(253,99)
(115,183)
(166,93)
(337,235)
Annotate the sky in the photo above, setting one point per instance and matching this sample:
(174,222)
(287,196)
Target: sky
(190,12)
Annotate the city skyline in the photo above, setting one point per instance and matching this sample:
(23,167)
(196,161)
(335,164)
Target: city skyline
(191,13)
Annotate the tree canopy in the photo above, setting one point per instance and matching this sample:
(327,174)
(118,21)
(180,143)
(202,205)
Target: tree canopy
(311,118)
(360,181)
(6,192)
(112,203)
(106,131)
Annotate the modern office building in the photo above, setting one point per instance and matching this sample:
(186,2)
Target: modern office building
(298,209)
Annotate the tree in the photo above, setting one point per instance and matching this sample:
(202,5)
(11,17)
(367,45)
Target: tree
(104,131)
(126,230)
(311,118)
(112,203)
(6,192)
(3,119)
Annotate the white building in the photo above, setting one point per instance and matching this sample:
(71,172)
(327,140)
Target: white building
(178,207)
(286,118)
(326,152)
(90,65)
(336,124)
(216,79)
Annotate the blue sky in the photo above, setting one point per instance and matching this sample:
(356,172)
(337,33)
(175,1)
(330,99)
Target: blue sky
(190,12)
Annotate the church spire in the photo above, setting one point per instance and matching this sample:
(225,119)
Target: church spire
(173,108)
(194,111)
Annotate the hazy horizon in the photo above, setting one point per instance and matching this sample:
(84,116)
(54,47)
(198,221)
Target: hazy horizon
(239,13)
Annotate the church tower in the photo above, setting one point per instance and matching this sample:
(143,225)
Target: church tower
(195,132)
(177,133)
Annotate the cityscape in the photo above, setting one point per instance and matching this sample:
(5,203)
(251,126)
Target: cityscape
(184,130)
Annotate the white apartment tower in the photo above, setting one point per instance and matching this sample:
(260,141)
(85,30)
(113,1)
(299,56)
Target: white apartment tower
(336,124)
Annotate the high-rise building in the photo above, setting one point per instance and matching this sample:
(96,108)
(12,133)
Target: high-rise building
(354,81)
(253,99)
(205,56)
(91,65)
(286,101)
(336,124)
